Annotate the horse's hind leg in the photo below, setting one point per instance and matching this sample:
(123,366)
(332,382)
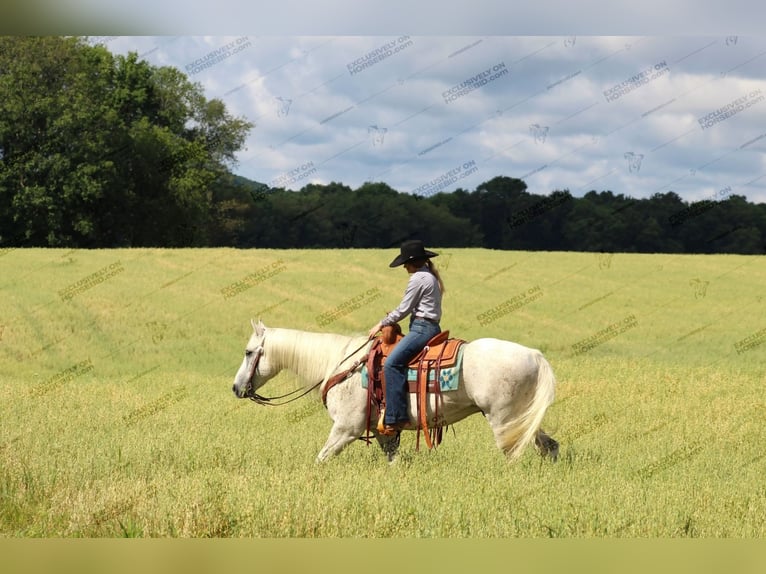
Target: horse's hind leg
(547,445)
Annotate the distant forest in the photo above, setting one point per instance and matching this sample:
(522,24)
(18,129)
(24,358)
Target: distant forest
(100,150)
(498,214)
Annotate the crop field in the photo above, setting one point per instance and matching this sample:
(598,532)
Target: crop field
(117,416)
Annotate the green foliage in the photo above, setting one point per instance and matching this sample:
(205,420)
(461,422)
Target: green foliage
(99,150)
(499,214)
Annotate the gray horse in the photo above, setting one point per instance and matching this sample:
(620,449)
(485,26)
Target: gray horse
(511,385)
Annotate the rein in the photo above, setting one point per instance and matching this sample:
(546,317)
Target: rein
(261,400)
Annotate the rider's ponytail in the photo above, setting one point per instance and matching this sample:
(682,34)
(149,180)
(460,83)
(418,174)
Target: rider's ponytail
(432,268)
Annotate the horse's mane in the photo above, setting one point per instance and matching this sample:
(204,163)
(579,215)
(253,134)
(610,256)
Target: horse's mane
(313,356)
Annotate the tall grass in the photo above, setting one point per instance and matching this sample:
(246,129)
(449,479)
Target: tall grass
(117,417)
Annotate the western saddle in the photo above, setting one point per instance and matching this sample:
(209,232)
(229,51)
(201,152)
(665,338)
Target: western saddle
(439,353)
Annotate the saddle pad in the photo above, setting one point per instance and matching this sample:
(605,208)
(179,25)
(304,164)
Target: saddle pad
(448,377)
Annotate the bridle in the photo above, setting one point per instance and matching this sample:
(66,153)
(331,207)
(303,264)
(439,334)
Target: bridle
(261,400)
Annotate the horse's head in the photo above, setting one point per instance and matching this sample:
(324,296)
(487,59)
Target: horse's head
(256,368)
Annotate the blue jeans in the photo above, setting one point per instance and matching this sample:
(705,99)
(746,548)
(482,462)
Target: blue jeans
(395,369)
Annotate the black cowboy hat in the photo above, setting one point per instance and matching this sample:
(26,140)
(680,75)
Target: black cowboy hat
(412,249)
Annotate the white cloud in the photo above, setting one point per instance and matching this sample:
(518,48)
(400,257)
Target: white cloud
(310,107)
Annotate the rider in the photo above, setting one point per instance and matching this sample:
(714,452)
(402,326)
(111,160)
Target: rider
(423,302)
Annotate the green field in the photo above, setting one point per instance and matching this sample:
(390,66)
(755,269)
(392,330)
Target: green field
(117,416)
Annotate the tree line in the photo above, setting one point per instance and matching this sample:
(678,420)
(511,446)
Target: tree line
(100,150)
(498,214)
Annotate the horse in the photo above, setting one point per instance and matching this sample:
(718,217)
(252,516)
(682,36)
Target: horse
(510,384)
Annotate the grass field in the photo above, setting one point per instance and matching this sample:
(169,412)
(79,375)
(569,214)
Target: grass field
(117,416)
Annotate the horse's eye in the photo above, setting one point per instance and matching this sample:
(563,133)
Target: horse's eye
(248,352)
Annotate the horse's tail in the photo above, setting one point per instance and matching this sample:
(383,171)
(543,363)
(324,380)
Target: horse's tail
(522,430)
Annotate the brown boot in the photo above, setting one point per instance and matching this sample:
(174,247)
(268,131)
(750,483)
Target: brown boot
(394,429)
(381,420)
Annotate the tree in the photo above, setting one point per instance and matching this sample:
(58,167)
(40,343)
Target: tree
(99,150)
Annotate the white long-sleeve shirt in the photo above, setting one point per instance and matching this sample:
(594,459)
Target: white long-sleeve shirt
(422,297)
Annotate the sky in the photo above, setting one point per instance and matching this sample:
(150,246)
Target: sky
(673,102)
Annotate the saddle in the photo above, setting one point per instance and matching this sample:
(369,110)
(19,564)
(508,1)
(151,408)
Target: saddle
(440,352)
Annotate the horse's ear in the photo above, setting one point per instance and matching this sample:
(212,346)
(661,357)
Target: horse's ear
(258,327)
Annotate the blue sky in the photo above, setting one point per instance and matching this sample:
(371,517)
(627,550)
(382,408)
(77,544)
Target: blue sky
(637,98)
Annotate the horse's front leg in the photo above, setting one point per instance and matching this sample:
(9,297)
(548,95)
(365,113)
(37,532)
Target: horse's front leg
(345,405)
(389,445)
(340,437)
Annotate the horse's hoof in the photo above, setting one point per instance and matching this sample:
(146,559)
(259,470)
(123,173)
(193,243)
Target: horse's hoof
(553,450)
(391,448)
(548,447)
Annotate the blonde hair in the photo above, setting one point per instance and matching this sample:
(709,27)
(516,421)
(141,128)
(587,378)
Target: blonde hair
(432,268)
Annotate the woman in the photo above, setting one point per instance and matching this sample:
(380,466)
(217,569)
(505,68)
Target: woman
(422,301)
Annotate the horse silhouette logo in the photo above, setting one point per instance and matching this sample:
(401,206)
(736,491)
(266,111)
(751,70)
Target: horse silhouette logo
(700,287)
(283,106)
(604,260)
(538,132)
(157,330)
(634,161)
(376,135)
(347,232)
(569,41)
(731,40)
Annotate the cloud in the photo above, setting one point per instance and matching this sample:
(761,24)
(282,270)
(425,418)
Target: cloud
(445,101)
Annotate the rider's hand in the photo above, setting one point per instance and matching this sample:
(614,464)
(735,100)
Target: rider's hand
(374,331)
